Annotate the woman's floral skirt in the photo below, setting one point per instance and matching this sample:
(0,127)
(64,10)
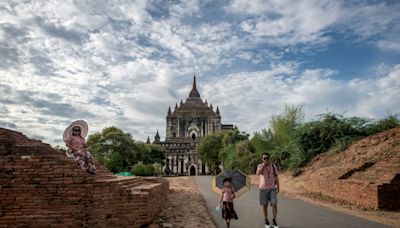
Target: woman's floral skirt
(84,159)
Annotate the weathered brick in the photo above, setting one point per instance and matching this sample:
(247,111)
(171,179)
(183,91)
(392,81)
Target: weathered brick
(46,189)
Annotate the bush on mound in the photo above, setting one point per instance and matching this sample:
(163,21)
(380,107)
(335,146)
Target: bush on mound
(143,170)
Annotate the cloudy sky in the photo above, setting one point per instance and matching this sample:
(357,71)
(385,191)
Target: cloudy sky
(123,63)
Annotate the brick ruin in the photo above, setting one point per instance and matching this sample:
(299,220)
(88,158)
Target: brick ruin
(41,187)
(389,194)
(367,174)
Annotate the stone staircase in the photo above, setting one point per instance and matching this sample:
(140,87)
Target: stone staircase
(41,187)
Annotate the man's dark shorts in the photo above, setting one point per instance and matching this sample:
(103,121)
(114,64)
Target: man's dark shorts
(268,195)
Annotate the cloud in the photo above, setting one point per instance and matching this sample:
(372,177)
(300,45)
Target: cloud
(42,106)
(287,22)
(123,63)
(59,31)
(251,99)
(7,124)
(391,44)
(309,22)
(367,20)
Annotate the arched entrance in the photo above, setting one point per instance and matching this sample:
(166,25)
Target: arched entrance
(192,170)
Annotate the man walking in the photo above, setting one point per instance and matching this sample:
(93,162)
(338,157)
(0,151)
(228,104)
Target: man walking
(269,187)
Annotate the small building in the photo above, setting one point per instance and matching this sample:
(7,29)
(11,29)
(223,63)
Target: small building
(185,127)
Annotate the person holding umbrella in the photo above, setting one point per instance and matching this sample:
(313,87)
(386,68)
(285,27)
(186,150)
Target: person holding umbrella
(230,184)
(226,202)
(269,187)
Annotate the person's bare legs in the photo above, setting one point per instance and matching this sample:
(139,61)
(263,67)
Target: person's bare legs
(274,210)
(227,223)
(265,210)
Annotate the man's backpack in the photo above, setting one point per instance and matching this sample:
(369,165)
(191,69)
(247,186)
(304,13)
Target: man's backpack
(273,169)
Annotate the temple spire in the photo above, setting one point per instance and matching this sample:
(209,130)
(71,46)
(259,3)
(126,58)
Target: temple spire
(194,87)
(169,110)
(194,92)
(157,138)
(217,112)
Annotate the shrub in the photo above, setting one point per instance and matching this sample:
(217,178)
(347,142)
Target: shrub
(143,170)
(157,168)
(149,170)
(384,124)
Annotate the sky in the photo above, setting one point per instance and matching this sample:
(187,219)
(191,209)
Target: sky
(123,63)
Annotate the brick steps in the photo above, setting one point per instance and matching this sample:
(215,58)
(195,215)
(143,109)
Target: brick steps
(41,187)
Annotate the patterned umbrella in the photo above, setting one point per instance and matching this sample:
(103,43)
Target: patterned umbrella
(78,123)
(240,182)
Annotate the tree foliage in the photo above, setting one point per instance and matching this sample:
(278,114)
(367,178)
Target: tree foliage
(221,147)
(290,140)
(208,150)
(119,151)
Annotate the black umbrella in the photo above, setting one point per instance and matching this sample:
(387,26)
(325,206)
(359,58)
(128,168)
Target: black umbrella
(240,182)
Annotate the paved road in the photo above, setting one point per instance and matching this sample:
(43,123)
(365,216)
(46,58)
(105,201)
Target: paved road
(291,212)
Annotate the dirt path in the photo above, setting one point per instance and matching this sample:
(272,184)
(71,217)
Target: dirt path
(185,206)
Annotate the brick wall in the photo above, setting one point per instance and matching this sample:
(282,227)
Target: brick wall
(389,194)
(357,193)
(369,195)
(153,196)
(40,187)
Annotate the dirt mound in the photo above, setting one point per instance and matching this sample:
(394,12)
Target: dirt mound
(372,159)
(363,175)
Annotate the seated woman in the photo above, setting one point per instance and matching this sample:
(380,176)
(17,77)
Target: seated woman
(75,141)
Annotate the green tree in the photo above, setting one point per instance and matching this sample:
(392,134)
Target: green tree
(284,125)
(259,143)
(247,156)
(119,151)
(228,156)
(233,136)
(282,138)
(330,131)
(151,153)
(208,150)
